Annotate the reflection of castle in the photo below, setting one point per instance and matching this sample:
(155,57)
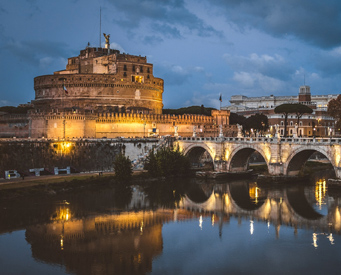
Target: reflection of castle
(113,244)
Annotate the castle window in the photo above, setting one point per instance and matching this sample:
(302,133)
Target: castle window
(137,78)
(291,123)
(147,76)
(148,71)
(125,67)
(133,68)
(124,74)
(141,69)
(282,123)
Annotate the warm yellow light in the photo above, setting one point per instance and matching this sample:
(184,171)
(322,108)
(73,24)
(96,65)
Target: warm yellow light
(61,242)
(227,154)
(141,227)
(320,192)
(254,192)
(337,158)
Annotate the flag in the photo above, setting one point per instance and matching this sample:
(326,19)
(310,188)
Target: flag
(65,90)
(220,99)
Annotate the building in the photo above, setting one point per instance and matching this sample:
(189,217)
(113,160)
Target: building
(103,93)
(319,123)
(101,79)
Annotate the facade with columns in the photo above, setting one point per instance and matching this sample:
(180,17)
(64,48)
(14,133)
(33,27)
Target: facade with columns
(318,124)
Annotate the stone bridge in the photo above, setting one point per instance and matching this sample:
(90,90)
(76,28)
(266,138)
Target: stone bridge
(283,156)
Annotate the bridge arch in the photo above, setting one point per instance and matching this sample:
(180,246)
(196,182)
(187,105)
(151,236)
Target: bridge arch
(196,151)
(240,156)
(297,159)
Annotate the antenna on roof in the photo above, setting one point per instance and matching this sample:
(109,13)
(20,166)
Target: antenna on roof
(304,79)
(100,26)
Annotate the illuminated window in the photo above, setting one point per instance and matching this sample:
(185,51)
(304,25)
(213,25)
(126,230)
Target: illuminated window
(137,78)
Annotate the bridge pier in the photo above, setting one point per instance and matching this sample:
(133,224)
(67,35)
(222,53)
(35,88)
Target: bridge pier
(276,169)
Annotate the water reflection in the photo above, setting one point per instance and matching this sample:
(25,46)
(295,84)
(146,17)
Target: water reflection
(120,229)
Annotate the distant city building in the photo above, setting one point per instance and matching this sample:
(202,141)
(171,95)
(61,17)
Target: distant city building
(319,123)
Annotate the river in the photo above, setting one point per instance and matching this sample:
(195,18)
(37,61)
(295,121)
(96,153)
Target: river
(176,227)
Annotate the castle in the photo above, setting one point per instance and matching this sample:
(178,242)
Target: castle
(103,93)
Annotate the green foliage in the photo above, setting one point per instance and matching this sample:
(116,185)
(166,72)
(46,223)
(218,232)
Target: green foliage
(167,163)
(122,167)
(15,110)
(295,108)
(236,119)
(334,110)
(198,110)
(257,122)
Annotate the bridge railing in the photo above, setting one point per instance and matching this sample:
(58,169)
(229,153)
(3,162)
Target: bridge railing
(303,140)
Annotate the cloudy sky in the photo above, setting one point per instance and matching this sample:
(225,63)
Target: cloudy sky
(201,48)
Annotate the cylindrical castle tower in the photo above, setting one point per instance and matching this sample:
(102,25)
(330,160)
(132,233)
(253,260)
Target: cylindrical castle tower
(100,80)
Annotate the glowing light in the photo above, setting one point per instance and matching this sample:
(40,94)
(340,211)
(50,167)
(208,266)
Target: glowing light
(200,222)
(337,158)
(315,240)
(61,242)
(141,227)
(212,219)
(331,238)
(227,154)
(320,192)
(254,192)
(251,227)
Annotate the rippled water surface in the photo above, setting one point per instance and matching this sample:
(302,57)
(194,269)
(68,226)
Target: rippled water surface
(183,227)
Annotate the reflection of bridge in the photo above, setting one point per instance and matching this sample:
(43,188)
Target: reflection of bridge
(288,206)
(283,156)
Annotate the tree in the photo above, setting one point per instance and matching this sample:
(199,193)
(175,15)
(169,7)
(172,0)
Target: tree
(195,110)
(258,122)
(236,119)
(296,108)
(122,167)
(334,110)
(166,162)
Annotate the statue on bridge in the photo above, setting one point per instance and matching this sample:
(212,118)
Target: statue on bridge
(277,134)
(176,131)
(221,134)
(240,131)
(194,131)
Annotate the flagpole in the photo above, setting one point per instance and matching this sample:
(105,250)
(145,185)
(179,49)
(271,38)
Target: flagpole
(63,114)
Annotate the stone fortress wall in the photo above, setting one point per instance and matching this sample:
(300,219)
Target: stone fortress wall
(112,125)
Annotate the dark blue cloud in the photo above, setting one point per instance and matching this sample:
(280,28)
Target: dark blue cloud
(168,18)
(31,52)
(313,21)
